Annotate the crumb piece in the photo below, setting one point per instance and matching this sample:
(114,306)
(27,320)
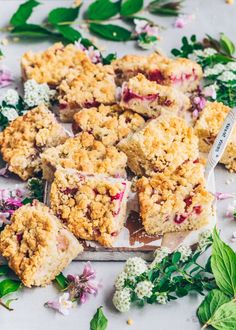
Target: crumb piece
(130,322)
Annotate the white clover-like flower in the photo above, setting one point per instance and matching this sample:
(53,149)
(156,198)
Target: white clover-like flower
(204,240)
(121,300)
(144,289)
(227,76)
(215,70)
(185,252)
(231,66)
(209,52)
(10,113)
(209,72)
(11,97)
(135,266)
(198,52)
(36,94)
(120,281)
(162,298)
(159,255)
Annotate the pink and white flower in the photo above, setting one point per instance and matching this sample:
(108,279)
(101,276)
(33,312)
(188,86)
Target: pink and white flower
(221,196)
(6,77)
(143,26)
(231,211)
(183,20)
(93,54)
(62,305)
(210,91)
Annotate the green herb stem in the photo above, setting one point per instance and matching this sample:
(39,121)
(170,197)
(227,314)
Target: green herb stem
(5,306)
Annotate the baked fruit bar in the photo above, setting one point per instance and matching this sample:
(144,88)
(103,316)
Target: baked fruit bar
(177,202)
(37,246)
(180,73)
(92,206)
(53,64)
(150,99)
(163,144)
(207,127)
(90,88)
(86,154)
(23,141)
(107,124)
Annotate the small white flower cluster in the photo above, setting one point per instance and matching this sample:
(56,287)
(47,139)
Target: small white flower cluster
(198,53)
(8,101)
(204,240)
(122,300)
(222,72)
(162,298)
(120,281)
(185,252)
(36,94)
(147,34)
(11,97)
(159,255)
(135,266)
(144,289)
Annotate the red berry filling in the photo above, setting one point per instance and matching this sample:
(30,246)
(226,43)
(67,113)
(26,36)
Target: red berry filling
(156,76)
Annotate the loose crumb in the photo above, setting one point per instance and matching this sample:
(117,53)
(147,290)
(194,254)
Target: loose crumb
(229,2)
(130,322)
(4,42)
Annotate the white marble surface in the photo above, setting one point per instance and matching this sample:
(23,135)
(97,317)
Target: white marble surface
(212,17)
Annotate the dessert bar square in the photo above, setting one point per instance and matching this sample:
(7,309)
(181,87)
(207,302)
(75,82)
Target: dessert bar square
(175,203)
(37,246)
(90,88)
(108,124)
(207,127)
(162,144)
(92,206)
(150,99)
(86,154)
(23,141)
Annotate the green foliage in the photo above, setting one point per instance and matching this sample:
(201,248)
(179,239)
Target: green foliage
(23,12)
(101,10)
(62,15)
(99,320)
(8,286)
(110,31)
(31,30)
(61,281)
(165,7)
(188,47)
(130,7)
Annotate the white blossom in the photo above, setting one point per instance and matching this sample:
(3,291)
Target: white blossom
(9,113)
(159,255)
(185,252)
(135,266)
(144,289)
(198,52)
(11,97)
(62,305)
(121,300)
(162,298)
(36,94)
(120,280)
(209,52)
(227,76)
(204,240)
(210,91)
(231,66)
(215,70)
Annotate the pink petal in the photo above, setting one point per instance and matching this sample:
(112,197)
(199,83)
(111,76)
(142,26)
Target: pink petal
(221,196)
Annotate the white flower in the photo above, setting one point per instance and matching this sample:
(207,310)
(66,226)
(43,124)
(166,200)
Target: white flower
(215,70)
(159,255)
(11,97)
(209,72)
(121,300)
(135,266)
(36,94)
(62,305)
(210,91)
(162,298)
(143,26)
(144,289)
(204,240)
(93,54)
(227,76)
(209,52)
(120,280)
(79,45)
(185,252)
(231,66)
(9,113)
(198,52)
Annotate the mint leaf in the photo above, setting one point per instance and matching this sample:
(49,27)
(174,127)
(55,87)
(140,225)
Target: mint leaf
(4,270)
(69,33)
(227,45)
(31,30)
(224,317)
(61,281)
(101,10)
(60,15)
(23,12)
(223,263)
(130,7)
(110,31)
(8,286)
(99,320)
(210,304)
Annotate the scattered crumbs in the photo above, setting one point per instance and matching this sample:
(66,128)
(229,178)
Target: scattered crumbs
(130,322)
(4,42)
(229,2)
(229,181)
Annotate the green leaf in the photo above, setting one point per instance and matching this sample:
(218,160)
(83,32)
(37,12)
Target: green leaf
(60,15)
(4,270)
(110,31)
(223,263)
(23,12)
(224,317)
(8,286)
(130,7)
(99,320)
(227,45)
(101,10)
(31,30)
(210,304)
(69,33)
(176,257)
(108,59)
(36,188)
(61,281)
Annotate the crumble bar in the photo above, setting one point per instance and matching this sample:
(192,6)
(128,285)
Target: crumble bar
(22,142)
(175,203)
(90,88)
(92,206)
(85,154)
(208,126)
(150,99)
(180,73)
(37,246)
(54,64)
(107,124)
(162,144)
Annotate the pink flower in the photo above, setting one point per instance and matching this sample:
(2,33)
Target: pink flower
(182,21)
(221,196)
(14,202)
(62,305)
(143,26)
(3,171)
(5,77)
(195,114)
(93,54)
(210,91)
(231,211)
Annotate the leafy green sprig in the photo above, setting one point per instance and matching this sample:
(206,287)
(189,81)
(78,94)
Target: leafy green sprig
(7,286)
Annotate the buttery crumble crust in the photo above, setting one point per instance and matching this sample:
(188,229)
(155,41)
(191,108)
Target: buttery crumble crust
(208,126)
(92,87)
(108,124)
(151,99)
(54,64)
(86,154)
(162,144)
(37,246)
(22,142)
(92,206)
(176,202)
